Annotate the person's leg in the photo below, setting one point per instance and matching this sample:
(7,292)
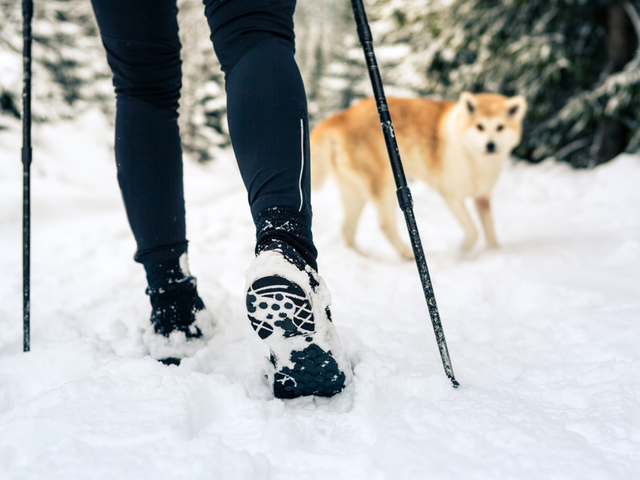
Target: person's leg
(267,113)
(143,50)
(287,301)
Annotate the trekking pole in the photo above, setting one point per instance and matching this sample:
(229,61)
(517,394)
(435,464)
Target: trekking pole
(403,192)
(27,15)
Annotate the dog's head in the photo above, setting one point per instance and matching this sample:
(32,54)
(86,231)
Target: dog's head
(491,123)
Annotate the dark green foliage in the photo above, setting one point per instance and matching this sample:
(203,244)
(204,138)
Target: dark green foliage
(203,108)
(329,57)
(8,105)
(554,52)
(69,71)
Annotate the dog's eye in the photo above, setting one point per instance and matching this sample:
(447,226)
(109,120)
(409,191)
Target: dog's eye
(500,128)
(480,127)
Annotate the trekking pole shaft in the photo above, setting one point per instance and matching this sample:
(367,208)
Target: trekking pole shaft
(27,15)
(403,192)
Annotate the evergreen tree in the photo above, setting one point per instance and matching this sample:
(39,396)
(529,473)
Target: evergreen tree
(69,70)
(551,51)
(331,59)
(203,101)
(564,56)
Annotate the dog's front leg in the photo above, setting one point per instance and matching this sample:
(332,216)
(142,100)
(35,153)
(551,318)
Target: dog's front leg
(386,207)
(353,201)
(459,210)
(483,205)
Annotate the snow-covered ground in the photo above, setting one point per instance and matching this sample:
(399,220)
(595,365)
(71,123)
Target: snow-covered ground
(543,334)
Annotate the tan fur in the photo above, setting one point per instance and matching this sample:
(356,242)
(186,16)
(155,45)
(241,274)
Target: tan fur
(440,143)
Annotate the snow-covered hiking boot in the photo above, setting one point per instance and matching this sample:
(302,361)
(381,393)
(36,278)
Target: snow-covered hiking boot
(180,323)
(288,307)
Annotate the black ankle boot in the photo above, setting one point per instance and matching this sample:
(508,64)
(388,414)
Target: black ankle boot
(288,307)
(180,323)
(174,307)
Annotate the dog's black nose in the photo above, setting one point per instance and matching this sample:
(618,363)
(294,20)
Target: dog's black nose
(491,147)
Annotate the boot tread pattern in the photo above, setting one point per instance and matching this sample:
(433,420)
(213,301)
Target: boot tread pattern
(277,305)
(275,301)
(315,372)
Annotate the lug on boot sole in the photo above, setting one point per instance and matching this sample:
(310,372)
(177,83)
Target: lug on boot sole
(277,305)
(315,372)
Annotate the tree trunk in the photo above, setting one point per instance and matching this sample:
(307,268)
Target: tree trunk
(621,44)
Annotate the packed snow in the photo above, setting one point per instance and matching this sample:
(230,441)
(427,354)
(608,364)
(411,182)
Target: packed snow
(543,334)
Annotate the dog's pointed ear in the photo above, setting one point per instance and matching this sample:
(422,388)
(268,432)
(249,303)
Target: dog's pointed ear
(468,101)
(517,107)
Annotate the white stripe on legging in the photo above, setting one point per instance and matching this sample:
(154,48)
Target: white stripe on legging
(301,163)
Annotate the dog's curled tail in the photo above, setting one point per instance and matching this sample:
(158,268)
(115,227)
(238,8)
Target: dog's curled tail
(323,149)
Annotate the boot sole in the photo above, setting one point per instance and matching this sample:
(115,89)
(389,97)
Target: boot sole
(278,306)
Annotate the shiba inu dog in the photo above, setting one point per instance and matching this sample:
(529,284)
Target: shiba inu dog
(458,148)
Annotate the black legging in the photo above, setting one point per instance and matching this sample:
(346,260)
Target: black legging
(267,114)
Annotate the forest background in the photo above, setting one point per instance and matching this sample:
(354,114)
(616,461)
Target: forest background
(576,62)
